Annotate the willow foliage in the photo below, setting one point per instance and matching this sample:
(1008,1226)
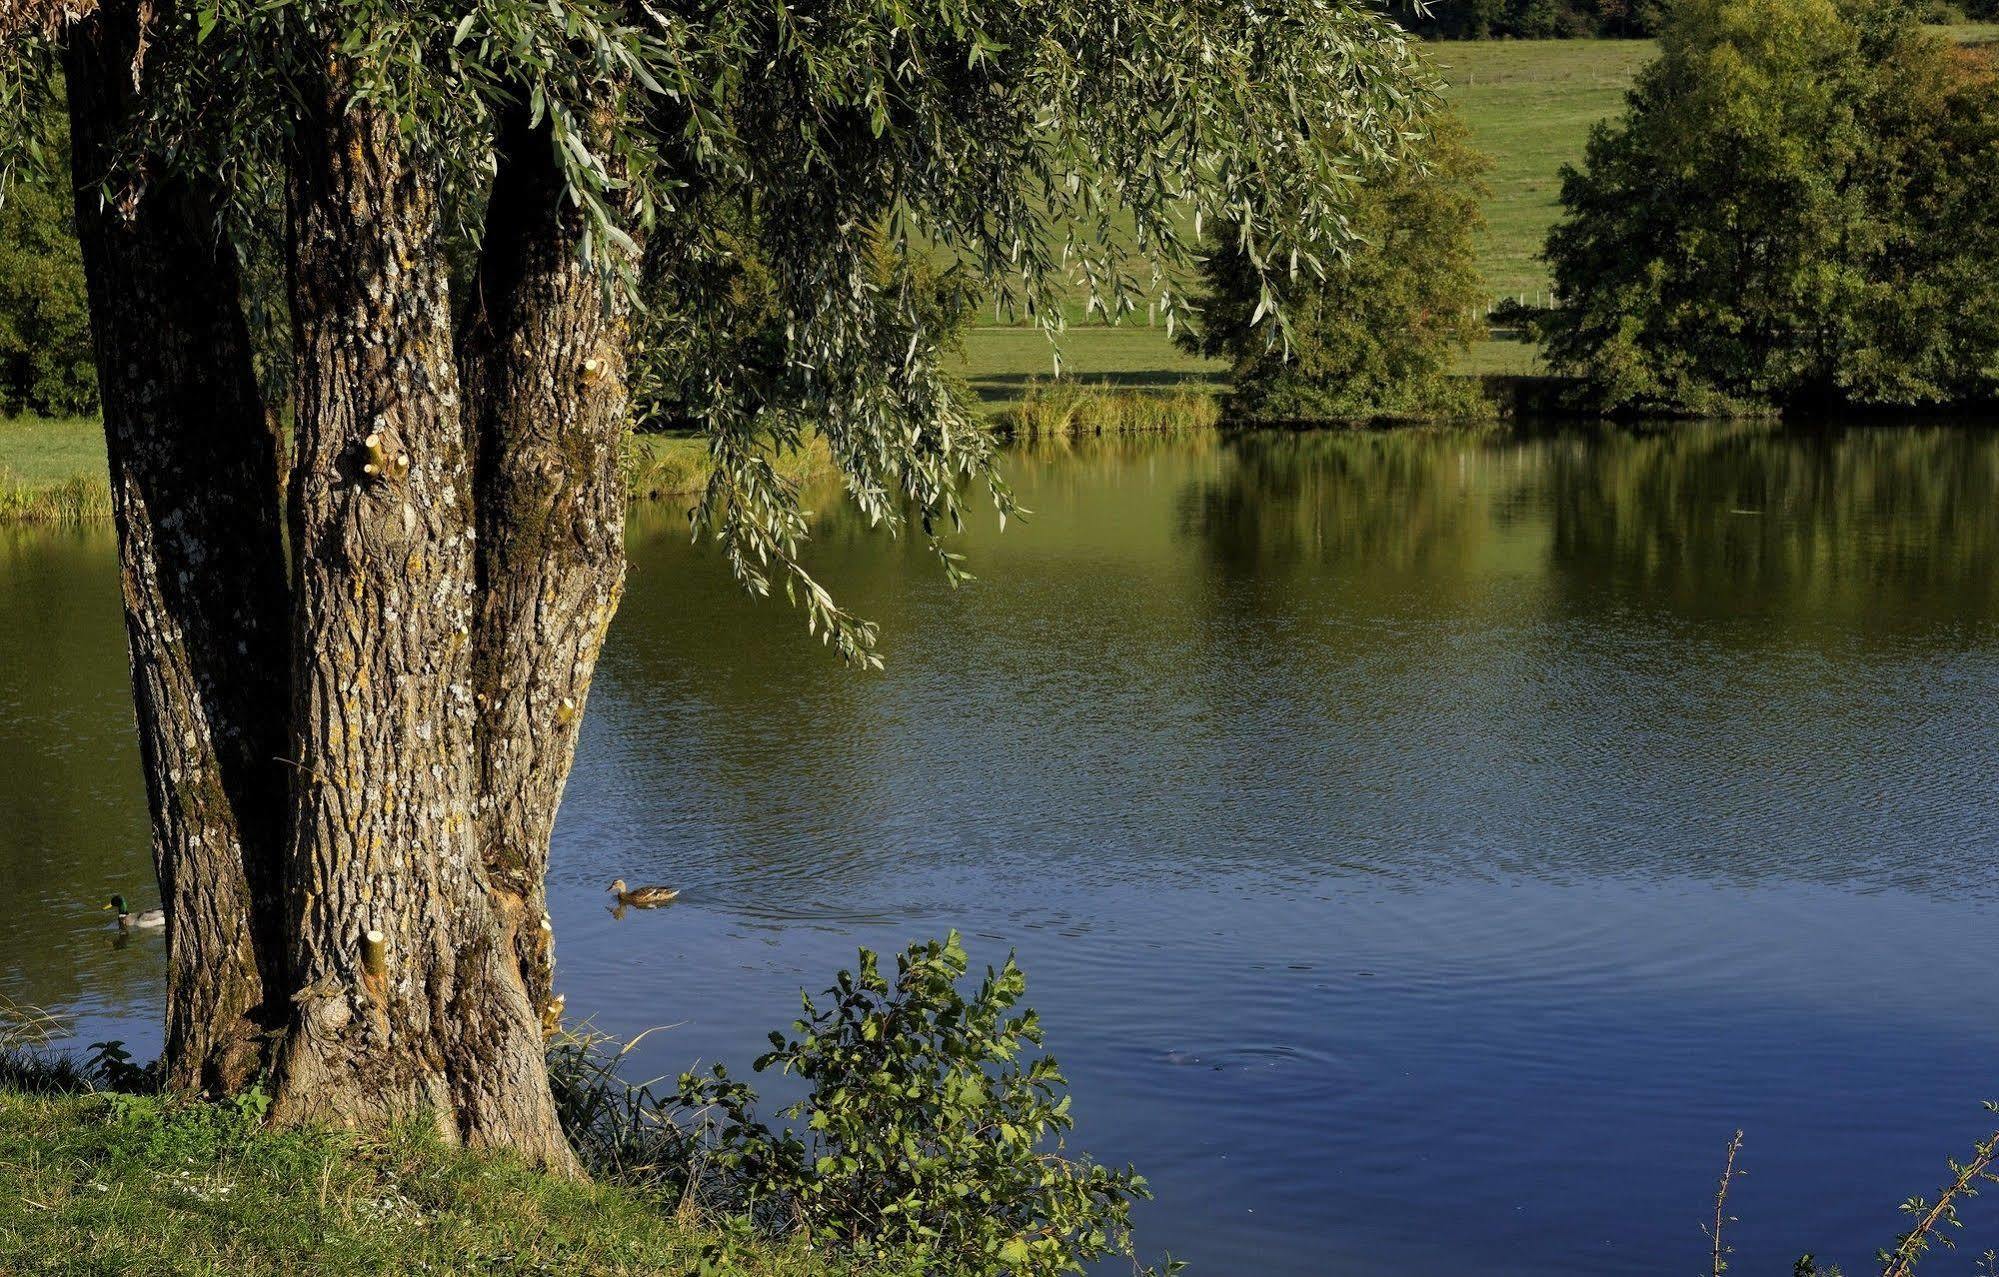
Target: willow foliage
(1025,145)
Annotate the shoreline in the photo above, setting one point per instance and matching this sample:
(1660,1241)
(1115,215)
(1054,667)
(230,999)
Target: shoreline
(662,468)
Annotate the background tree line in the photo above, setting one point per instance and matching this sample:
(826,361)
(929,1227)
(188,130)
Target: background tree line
(1616,19)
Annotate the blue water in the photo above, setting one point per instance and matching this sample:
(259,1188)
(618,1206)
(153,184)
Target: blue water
(1425,850)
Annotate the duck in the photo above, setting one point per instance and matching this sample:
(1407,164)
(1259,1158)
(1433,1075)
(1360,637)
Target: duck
(644,897)
(145,920)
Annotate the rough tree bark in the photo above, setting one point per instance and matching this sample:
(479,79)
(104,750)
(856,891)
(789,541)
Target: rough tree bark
(383,835)
(194,485)
(543,351)
(379,744)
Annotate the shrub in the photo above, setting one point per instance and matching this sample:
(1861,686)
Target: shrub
(931,1136)
(1377,335)
(1800,205)
(46,363)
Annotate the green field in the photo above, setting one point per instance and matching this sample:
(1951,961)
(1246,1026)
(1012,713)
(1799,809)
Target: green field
(1530,104)
(37,451)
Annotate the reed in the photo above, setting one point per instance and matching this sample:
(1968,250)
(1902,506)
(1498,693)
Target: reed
(77,499)
(27,1064)
(1069,409)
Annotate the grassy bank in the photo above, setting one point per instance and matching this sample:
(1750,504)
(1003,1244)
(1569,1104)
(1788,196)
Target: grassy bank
(1004,364)
(112,1183)
(53,471)
(1072,410)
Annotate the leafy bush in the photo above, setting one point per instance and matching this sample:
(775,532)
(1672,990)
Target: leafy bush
(932,1133)
(1376,336)
(46,362)
(1800,205)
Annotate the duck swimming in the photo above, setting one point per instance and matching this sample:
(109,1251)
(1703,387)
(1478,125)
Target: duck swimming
(144,921)
(644,897)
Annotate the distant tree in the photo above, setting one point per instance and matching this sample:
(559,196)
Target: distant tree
(1374,336)
(45,359)
(1532,19)
(1800,204)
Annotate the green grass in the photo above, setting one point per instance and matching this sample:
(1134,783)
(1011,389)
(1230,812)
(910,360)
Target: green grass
(1002,363)
(109,1184)
(38,451)
(663,466)
(52,470)
(1529,105)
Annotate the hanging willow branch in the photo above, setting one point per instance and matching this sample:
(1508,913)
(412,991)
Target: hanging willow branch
(19,18)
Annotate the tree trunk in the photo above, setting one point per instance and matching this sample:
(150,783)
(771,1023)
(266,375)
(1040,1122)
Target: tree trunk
(544,359)
(194,487)
(383,835)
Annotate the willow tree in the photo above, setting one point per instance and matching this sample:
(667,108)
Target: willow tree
(359,677)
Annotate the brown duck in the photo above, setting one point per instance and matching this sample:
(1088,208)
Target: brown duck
(643,897)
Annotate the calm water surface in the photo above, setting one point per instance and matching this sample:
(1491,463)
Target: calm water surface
(1425,849)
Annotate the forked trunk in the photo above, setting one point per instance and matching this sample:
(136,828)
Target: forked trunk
(194,487)
(384,836)
(544,360)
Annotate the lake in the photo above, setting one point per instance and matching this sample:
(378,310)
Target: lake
(1425,848)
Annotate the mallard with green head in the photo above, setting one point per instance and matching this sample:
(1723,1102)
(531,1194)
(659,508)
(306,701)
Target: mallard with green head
(129,921)
(643,897)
